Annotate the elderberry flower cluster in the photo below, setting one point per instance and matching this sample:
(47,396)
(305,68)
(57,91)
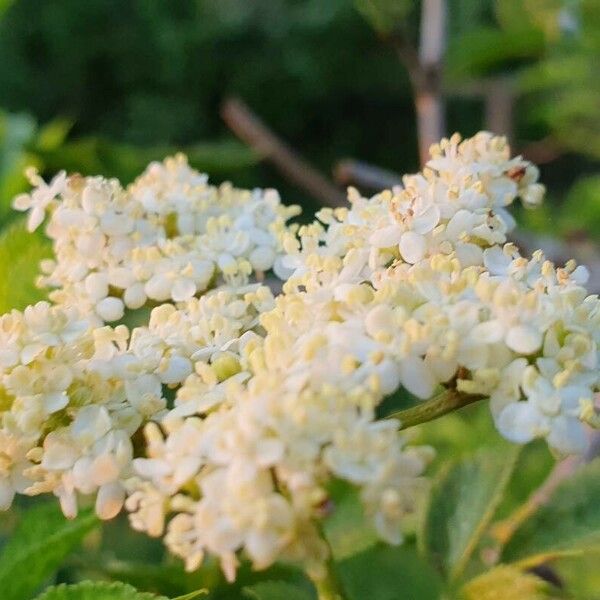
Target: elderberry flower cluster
(167,237)
(221,423)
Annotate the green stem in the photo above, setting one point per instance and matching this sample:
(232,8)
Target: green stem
(329,586)
(448,401)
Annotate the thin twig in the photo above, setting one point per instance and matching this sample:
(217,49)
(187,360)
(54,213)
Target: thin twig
(248,127)
(364,175)
(445,402)
(429,102)
(504,530)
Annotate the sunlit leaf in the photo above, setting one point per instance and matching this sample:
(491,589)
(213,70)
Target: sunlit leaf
(20,256)
(570,521)
(463,500)
(507,582)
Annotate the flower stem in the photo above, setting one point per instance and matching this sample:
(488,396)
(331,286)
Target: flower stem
(448,401)
(329,586)
(327,582)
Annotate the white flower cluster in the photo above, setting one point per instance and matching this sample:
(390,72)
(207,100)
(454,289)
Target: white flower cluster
(275,397)
(167,237)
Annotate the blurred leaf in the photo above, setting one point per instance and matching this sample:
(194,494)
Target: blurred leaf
(384,15)
(570,521)
(506,582)
(16,131)
(487,51)
(5,5)
(463,500)
(346,528)
(192,595)
(96,590)
(581,208)
(52,135)
(171,578)
(92,156)
(40,543)
(276,590)
(388,573)
(159,578)
(20,255)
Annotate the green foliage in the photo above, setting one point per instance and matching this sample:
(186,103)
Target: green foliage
(16,131)
(276,590)
(463,500)
(384,15)
(94,155)
(507,582)
(569,522)
(159,75)
(581,209)
(20,255)
(487,51)
(96,590)
(37,548)
(387,573)
(346,528)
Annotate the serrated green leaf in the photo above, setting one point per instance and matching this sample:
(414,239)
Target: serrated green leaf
(388,573)
(507,582)
(276,590)
(37,547)
(463,501)
(20,255)
(96,590)
(570,521)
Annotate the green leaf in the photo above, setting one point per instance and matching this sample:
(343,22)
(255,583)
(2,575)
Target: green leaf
(486,51)
(463,500)
(40,543)
(276,590)
(20,255)
(388,573)
(5,5)
(570,521)
(506,582)
(347,530)
(96,590)
(16,131)
(53,134)
(93,155)
(384,15)
(192,595)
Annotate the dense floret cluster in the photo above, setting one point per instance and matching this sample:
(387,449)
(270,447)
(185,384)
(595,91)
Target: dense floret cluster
(221,423)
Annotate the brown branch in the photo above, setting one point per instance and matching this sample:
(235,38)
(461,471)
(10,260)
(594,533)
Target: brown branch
(429,103)
(499,107)
(504,530)
(364,175)
(425,70)
(249,128)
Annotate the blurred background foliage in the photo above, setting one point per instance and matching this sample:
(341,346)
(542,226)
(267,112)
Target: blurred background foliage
(105,86)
